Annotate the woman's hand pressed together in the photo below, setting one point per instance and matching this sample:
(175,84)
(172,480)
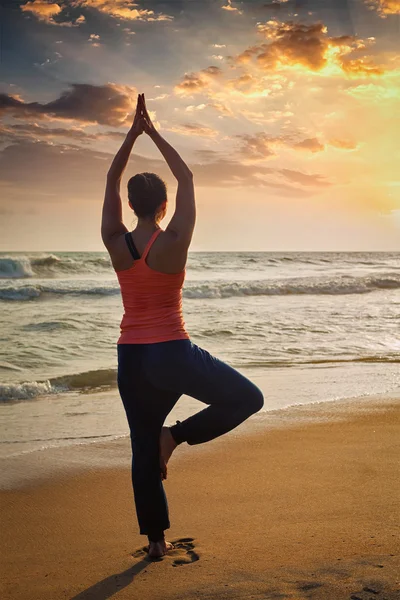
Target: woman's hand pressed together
(147,123)
(138,121)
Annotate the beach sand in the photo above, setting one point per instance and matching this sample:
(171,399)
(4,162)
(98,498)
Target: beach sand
(308,510)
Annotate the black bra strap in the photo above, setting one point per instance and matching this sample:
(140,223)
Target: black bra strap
(131,246)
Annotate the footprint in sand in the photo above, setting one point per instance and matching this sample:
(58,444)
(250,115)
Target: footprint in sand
(366,592)
(183,552)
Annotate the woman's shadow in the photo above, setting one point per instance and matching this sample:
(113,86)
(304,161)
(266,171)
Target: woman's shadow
(183,553)
(114,583)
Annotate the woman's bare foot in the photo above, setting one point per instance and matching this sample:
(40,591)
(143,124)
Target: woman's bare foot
(167,446)
(157,549)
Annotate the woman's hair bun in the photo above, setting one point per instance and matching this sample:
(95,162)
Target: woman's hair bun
(146,193)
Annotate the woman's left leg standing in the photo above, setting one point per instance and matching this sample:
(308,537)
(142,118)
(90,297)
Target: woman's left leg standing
(146,409)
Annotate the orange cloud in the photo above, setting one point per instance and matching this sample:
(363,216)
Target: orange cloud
(225,110)
(343,144)
(384,7)
(310,144)
(216,105)
(258,85)
(93,39)
(193,107)
(296,44)
(122,9)
(232,8)
(45,11)
(42,10)
(261,146)
(262,66)
(266,116)
(314,180)
(194,129)
(275,4)
(362,66)
(194,83)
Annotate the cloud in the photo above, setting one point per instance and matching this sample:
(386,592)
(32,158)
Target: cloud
(207,154)
(258,85)
(49,61)
(192,107)
(261,146)
(46,11)
(13,133)
(205,82)
(197,82)
(122,9)
(218,106)
(108,104)
(362,66)
(161,97)
(72,172)
(375,94)
(384,7)
(94,40)
(194,129)
(274,4)
(268,116)
(59,171)
(292,44)
(305,179)
(261,70)
(310,144)
(33,131)
(232,8)
(343,144)
(222,108)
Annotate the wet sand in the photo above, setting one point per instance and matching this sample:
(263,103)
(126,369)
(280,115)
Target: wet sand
(309,510)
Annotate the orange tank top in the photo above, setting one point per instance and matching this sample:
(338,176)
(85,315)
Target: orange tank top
(152,303)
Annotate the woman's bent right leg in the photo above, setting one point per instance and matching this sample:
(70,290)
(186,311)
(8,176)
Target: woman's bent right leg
(185,368)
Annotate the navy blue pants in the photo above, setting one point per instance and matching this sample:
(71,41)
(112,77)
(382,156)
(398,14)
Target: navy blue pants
(151,379)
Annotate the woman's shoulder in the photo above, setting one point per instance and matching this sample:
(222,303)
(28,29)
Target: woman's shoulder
(167,254)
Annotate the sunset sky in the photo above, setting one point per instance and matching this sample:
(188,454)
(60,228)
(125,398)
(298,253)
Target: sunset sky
(287,112)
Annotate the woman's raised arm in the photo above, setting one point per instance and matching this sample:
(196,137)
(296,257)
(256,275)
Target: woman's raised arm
(184,218)
(179,168)
(111,222)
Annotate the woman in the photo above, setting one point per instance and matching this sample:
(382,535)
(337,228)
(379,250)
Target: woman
(157,362)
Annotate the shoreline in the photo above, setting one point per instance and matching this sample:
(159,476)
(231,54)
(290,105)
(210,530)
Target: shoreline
(307,510)
(36,467)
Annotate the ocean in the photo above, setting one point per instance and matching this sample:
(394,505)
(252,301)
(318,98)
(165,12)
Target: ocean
(307,327)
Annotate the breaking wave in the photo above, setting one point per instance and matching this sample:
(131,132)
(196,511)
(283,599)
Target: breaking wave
(297,286)
(101,379)
(89,381)
(217,289)
(50,265)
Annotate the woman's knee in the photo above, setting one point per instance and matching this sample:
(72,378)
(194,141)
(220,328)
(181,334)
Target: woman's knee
(255,400)
(248,398)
